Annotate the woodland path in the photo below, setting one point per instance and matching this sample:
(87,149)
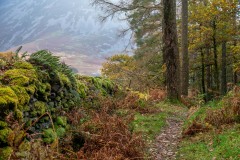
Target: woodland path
(166,145)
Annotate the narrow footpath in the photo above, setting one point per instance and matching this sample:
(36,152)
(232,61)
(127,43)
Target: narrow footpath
(166,145)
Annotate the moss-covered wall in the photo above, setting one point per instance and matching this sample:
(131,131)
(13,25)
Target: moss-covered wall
(37,93)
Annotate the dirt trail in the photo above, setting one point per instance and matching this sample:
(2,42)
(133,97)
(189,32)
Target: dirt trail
(167,142)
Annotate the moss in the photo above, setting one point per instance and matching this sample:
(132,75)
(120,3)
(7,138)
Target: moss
(3,124)
(31,89)
(39,108)
(64,80)
(5,153)
(58,98)
(22,94)
(19,77)
(44,89)
(60,131)
(105,86)
(23,65)
(7,97)
(49,136)
(82,89)
(4,135)
(18,114)
(61,121)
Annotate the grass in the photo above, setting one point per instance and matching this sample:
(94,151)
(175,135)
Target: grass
(149,125)
(212,145)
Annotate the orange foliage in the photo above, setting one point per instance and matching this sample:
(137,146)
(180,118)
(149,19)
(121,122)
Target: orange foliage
(157,94)
(109,137)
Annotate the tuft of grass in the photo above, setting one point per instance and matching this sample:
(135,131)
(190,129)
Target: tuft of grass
(223,145)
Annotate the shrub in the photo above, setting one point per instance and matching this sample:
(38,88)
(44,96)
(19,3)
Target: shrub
(225,111)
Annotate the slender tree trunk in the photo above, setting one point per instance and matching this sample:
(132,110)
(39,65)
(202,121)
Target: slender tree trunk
(208,74)
(235,77)
(216,72)
(185,58)
(170,49)
(203,74)
(224,69)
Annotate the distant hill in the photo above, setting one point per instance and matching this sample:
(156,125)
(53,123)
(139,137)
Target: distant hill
(70,29)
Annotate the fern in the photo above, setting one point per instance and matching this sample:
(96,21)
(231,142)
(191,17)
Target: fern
(45,60)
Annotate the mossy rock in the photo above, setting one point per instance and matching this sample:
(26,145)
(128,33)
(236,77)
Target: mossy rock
(43,91)
(18,114)
(8,98)
(5,136)
(64,80)
(39,108)
(82,89)
(5,153)
(23,65)
(23,96)
(3,124)
(31,89)
(21,77)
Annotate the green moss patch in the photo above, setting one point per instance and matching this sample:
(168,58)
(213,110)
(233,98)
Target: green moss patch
(7,98)
(21,77)
(5,153)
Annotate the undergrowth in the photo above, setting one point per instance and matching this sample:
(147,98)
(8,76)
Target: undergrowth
(214,114)
(223,143)
(213,130)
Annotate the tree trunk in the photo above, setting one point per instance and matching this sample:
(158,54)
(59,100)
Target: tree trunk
(170,49)
(203,74)
(224,70)
(235,78)
(208,74)
(216,72)
(185,58)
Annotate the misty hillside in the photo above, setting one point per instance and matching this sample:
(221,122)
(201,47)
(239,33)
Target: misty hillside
(70,29)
